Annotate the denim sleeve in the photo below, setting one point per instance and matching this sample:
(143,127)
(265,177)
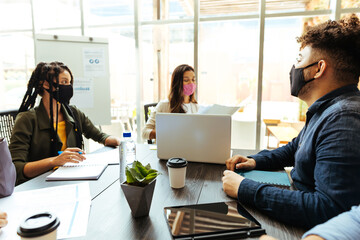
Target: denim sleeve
(278,158)
(345,226)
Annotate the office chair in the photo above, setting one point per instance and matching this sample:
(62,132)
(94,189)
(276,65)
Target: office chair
(148,107)
(7,120)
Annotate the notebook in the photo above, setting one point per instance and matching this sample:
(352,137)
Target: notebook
(195,137)
(79,171)
(273,178)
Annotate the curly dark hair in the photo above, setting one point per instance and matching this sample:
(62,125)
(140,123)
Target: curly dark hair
(338,42)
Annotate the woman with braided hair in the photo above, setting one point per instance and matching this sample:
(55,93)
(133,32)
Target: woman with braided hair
(40,133)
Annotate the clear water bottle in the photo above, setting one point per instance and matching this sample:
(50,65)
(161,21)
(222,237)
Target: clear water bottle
(129,148)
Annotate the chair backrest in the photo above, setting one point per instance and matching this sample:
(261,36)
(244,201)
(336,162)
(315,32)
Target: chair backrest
(148,107)
(7,120)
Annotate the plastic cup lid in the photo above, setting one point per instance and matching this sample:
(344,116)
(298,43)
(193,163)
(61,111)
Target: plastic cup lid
(38,225)
(176,162)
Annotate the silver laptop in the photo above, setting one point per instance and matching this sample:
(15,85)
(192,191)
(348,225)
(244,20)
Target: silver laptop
(195,137)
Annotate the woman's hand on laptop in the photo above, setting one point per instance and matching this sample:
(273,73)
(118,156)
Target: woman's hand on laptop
(240,162)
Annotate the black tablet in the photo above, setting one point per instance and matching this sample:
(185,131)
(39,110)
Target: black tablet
(222,220)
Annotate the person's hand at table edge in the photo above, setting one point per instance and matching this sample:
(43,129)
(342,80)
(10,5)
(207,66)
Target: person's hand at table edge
(231,182)
(3,219)
(310,237)
(240,162)
(112,141)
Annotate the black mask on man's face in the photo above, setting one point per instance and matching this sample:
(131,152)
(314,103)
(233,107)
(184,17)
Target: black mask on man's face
(297,80)
(65,93)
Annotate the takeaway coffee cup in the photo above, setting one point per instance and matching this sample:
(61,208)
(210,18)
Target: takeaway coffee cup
(177,172)
(41,226)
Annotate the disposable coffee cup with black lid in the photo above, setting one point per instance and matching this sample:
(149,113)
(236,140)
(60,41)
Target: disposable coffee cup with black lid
(177,171)
(176,162)
(41,226)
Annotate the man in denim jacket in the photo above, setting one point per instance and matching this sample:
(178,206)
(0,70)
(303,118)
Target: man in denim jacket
(326,153)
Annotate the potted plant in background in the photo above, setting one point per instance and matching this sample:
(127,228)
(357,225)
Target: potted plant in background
(139,188)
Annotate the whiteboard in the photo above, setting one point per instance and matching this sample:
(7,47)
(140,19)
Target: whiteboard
(88,60)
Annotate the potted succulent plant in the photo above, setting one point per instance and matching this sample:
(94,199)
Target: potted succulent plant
(139,188)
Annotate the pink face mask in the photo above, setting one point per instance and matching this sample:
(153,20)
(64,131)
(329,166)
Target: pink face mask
(189,89)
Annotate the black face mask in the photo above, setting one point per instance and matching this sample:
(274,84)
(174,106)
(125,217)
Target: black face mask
(297,80)
(65,93)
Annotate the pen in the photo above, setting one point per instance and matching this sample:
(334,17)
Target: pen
(60,152)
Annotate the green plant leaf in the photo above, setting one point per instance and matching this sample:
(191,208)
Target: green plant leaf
(140,168)
(139,174)
(150,177)
(129,178)
(152,171)
(136,175)
(148,167)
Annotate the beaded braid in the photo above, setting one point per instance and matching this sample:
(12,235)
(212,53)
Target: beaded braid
(53,73)
(34,87)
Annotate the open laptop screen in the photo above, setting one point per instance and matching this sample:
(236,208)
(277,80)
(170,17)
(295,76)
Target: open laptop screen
(195,137)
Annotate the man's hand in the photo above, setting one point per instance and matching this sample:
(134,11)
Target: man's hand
(231,182)
(240,162)
(3,219)
(310,237)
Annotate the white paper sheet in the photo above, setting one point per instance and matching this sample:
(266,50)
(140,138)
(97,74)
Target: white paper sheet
(70,203)
(219,109)
(94,62)
(83,92)
(110,157)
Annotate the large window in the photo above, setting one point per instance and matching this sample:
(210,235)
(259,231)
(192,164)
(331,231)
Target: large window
(210,8)
(164,48)
(16,64)
(108,12)
(350,4)
(57,14)
(280,52)
(228,71)
(15,15)
(227,50)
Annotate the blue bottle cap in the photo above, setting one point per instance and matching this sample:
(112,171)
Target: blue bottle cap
(127,134)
